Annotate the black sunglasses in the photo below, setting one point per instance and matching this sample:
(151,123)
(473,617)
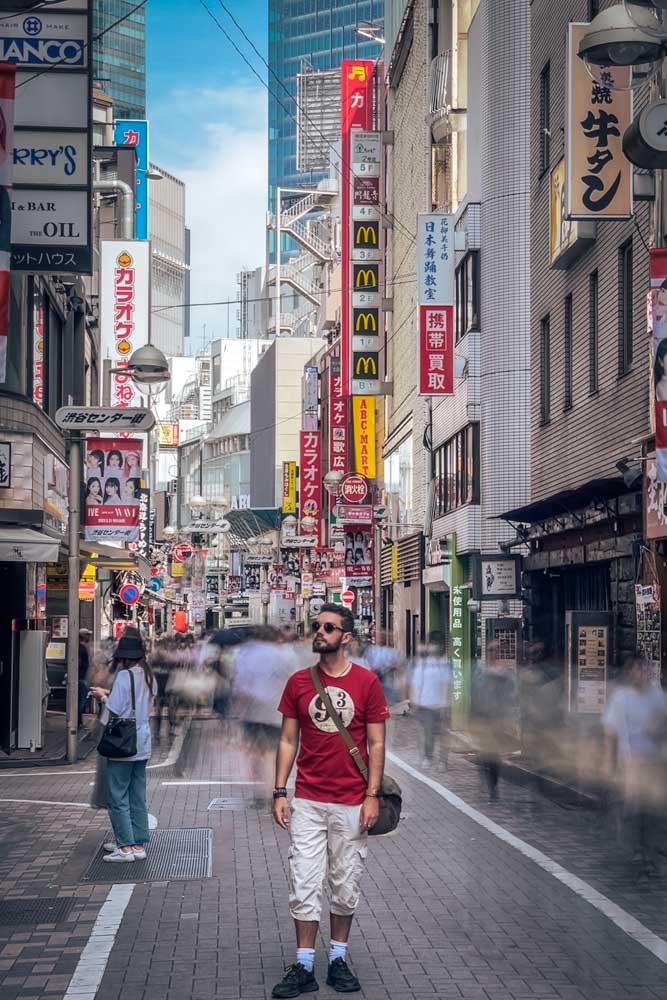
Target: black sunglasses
(327,627)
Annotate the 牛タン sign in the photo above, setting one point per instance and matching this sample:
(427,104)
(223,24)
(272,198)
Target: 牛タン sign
(105,418)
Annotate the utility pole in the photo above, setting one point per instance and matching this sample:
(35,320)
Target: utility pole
(74,572)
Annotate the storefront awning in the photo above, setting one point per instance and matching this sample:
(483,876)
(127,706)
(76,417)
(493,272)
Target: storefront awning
(568,501)
(27,545)
(117,560)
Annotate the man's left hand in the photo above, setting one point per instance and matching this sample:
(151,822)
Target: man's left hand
(370,811)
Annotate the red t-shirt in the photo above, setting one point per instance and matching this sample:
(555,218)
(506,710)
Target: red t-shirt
(325,770)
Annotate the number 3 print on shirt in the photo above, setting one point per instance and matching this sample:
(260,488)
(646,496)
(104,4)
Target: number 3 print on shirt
(342,702)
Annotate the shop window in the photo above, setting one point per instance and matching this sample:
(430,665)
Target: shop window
(625,308)
(16,373)
(567,352)
(467,294)
(457,471)
(593,332)
(545,369)
(545,118)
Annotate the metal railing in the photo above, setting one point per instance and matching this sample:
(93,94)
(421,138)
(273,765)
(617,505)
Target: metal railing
(440,84)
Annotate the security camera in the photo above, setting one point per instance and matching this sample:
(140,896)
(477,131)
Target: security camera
(617,37)
(380,513)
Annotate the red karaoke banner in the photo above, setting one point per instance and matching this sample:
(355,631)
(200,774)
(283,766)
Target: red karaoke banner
(436,350)
(113,489)
(338,420)
(7,90)
(356,112)
(310,480)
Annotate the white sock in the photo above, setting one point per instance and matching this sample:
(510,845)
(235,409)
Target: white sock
(338,949)
(307,957)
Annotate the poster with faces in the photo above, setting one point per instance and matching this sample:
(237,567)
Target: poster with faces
(112,481)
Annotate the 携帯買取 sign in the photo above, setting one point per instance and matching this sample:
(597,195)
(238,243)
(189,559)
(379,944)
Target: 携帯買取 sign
(52,182)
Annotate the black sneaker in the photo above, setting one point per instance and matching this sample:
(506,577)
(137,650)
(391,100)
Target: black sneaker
(340,977)
(297,980)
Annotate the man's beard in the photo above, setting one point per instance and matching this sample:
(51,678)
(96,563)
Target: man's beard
(325,648)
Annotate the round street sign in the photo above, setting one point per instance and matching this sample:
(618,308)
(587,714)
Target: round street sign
(129,593)
(347,597)
(353,489)
(156,584)
(182,552)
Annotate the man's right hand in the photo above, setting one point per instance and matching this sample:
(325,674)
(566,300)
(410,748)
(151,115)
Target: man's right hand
(281,812)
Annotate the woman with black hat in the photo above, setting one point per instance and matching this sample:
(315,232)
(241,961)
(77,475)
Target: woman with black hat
(126,777)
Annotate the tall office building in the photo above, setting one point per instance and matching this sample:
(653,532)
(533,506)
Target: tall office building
(321,33)
(119,57)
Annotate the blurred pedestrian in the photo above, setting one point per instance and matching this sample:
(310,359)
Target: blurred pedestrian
(495,715)
(133,691)
(635,723)
(430,684)
(333,808)
(85,635)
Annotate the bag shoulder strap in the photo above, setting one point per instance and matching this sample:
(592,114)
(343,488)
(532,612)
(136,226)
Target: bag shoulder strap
(134,704)
(335,718)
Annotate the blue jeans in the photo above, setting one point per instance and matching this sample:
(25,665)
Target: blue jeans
(126,789)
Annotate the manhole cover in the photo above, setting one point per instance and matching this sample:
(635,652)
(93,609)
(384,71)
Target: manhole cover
(35,911)
(173,855)
(235,805)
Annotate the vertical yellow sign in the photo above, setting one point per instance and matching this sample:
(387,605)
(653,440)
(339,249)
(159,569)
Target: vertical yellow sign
(289,487)
(363,422)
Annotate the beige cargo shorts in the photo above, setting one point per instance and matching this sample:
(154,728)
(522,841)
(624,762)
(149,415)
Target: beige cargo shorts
(326,842)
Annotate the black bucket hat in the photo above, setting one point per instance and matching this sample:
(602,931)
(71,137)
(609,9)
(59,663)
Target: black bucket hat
(130,647)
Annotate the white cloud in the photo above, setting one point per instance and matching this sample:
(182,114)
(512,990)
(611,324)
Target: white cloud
(225,171)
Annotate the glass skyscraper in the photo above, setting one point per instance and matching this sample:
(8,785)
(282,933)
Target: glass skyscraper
(323,32)
(119,57)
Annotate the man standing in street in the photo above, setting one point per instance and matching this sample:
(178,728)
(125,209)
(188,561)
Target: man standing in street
(333,808)
(85,636)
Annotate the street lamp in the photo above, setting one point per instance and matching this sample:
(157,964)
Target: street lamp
(169,532)
(332,481)
(148,367)
(198,502)
(620,37)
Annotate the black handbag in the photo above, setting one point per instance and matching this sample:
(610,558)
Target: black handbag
(391,797)
(119,738)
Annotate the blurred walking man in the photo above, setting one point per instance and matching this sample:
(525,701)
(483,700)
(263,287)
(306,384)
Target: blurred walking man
(333,808)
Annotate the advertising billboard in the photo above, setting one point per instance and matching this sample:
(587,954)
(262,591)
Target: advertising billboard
(134,132)
(125,269)
(112,489)
(52,147)
(436,296)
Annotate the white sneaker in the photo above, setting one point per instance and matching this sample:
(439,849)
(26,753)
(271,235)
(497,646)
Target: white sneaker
(110,846)
(140,855)
(119,856)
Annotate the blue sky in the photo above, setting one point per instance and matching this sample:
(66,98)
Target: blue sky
(207,117)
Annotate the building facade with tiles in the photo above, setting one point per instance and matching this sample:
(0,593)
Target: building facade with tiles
(589,388)
(459,110)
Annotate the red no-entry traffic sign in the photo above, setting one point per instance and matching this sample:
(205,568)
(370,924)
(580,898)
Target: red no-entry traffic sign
(347,597)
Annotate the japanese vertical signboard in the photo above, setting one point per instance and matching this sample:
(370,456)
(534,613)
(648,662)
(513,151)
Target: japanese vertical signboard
(364,269)
(310,478)
(7,83)
(52,52)
(125,267)
(338,420)
(459,626)
(113,489)
(657,316)
(599,177)
(436,297)
(289,488)
(363,422)
(134,133)
(356,113)
(38,348)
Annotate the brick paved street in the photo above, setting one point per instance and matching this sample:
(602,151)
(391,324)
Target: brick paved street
(449,910)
